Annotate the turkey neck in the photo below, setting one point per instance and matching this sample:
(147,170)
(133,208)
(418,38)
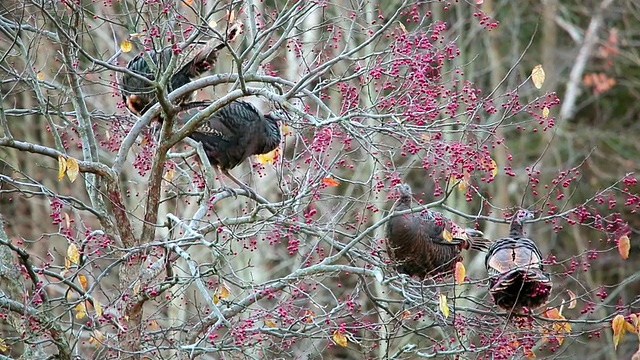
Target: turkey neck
(516,229)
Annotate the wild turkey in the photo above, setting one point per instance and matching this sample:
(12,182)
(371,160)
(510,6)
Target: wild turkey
(427,244)
(233,133)
(139,96)
(514,263)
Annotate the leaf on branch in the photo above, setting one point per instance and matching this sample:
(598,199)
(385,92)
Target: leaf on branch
(216,299)
(269,157)
(96,338)
(460,272)
(212,23)
(405,315)
(269,323)
(308,316)
(168,176)
(224,291)
(624,245)
(72,169)
(558,328)
(619,327)
(404,29)
(83,281)
(330,181)
(537,76)
(3,345)
(40,76)
(73,254)
(443,306)
(572,300)
(231,16)
(67,263)
(545,112)
(62,167)
(446,234)
(81,311)
(126,46)
(488,164)
(339,338)
(464,183)
(98,308)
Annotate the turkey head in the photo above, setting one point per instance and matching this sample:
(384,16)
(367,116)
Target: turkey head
(427,243)
(514,263)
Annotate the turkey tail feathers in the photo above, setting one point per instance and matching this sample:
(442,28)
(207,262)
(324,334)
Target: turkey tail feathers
(477,241)
(208,55)
(521,288)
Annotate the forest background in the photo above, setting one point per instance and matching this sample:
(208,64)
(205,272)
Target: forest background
(116,244)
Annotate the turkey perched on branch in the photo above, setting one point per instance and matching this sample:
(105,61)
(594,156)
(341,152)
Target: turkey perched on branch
(233,133)
(427,243)
(139,95)
(514,263)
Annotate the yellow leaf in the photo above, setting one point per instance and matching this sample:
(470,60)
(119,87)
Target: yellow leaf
(231,16)
(62,167)
(269,323)
(308,316)
(168,176)
(136,288)
(83,281)
(216,299)
(488,164)
(284,128)
(3,345)
(444,307)
(72,169)
(154,325)
(330,181)
(404,29)
(126,46)
(545,112)
(40,76)
(572,299)
(339,338)
(213,24)
(537,76)
(618,327)
(269,157)
(96,338)
(73,254)
(624,245)
(224,291)
(460,272)
(67,263)
(98,307)
(446,234)
(464,183)
(81,311)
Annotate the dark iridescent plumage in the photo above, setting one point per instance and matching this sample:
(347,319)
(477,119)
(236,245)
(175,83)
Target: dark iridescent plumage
(139,96)
(514,263)
(426,243)
(233,133)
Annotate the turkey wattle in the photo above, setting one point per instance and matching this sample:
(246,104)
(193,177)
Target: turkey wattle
(139,95)
(427,243)
(514,263)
